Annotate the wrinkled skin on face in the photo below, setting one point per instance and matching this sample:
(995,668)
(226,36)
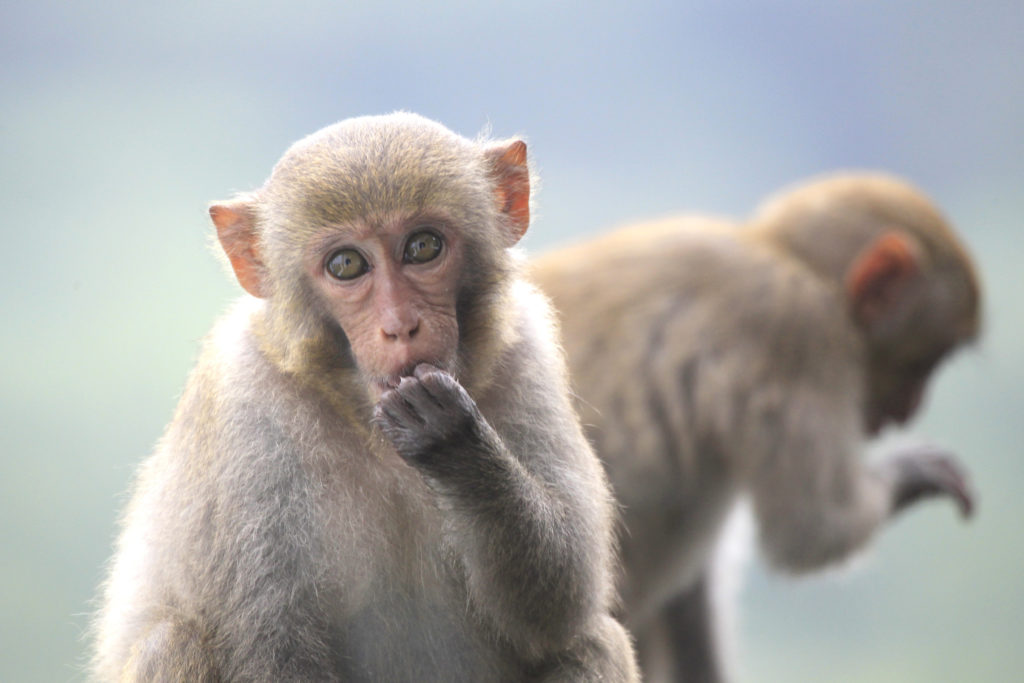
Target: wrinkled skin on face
(392,291)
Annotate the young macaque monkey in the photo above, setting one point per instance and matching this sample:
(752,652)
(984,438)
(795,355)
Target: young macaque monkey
(375,472)
(714,360)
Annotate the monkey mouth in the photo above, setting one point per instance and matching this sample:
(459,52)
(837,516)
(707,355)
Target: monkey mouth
(384,383)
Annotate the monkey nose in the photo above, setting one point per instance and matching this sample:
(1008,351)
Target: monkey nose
(398,329)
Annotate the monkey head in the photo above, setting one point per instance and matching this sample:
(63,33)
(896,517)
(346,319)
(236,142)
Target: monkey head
(907,281)
(915,306)
(379,239)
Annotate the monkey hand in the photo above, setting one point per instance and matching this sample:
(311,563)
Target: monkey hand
(927,471)
(429,414)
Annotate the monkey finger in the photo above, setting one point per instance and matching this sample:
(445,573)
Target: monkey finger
(435,379)
(419,397)
(423,369)
(404,436)
(928,472)
(395,407)
(956,485)
(949,478)
(388,423)
(444,388)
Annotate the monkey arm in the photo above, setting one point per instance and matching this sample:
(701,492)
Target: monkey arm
(818,502)
(533,566)
(815,499)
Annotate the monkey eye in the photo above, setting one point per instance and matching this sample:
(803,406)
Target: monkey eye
(423,246)
(347,264)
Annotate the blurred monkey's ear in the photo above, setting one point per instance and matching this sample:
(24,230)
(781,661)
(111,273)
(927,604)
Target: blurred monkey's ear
(878,275)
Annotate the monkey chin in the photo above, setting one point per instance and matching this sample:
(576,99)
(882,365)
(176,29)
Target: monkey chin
(878,421)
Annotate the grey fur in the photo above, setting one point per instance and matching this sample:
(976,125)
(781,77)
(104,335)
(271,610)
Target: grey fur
(276,535)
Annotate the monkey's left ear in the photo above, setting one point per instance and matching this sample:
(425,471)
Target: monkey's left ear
(512,186)
(236,230)
(879,275)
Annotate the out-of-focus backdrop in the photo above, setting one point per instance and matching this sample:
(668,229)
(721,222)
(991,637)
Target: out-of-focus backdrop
(119,121)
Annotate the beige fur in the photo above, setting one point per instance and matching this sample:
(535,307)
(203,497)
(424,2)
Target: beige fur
(713,360)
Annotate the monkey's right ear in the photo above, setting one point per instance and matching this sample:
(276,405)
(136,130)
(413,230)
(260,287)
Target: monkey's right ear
(512,191)
(236,230)
(878,276)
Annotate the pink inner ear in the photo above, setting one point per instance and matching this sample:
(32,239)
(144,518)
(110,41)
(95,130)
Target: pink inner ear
(513,188)
(236,231)
(515,155)
(875,279)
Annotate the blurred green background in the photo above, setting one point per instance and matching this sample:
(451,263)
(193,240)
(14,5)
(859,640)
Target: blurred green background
(119,121)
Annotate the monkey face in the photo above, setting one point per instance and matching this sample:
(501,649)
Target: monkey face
(391,287)
(896,406)
(897,384)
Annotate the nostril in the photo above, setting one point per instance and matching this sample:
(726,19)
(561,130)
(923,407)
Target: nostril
(400,332)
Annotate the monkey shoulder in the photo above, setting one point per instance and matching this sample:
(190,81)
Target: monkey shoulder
(231,353)
(784,344)
(528,400)
(243,419)
(765,300)
(744,322)
(530,368)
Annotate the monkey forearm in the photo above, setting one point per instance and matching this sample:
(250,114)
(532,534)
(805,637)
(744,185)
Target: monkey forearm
(806,525)
(804,533)
(526,551)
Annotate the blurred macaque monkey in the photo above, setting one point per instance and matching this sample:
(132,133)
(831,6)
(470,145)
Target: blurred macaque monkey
(375,472)
(714,360)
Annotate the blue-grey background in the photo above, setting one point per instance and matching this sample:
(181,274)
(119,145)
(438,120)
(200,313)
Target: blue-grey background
(119,121)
